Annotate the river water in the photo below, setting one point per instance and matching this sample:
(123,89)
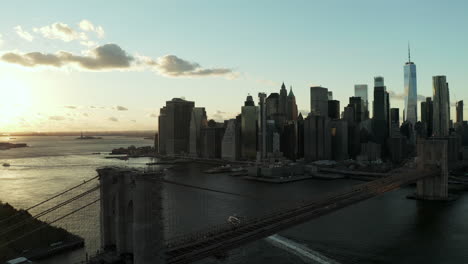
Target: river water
(384,229)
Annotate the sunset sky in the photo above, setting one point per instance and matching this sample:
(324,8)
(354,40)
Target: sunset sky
(101,65)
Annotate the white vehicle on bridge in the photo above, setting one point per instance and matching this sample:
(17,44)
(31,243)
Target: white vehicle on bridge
(234,220)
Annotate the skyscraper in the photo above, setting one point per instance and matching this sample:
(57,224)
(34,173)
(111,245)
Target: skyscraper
(249,129)
(360,90)
(334,109)
(427,117)
(358,105)
(319,100)
(174,122)
(262,120)
(198,121)
(291,106)
(460,112)
(283,96)
(441,103)
(380,117)
(411,91)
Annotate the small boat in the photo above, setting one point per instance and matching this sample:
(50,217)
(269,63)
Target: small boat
(6,165)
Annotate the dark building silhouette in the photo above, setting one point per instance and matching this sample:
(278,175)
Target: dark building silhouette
(334,109)
(198,120)
(380,119)
(358,105)
(427,116)
(300,136)
(249,129)
(174,123)
(395,116)
(319,100)
(283,100)
(317,137)
(212,137)
(441,104)
(459,108)
(291,106)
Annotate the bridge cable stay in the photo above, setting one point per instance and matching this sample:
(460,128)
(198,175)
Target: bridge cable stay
(330,202)
(47,200)
(46,224)
(207,205)
(47,211)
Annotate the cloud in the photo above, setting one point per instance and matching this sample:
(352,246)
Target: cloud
(113,119)
(133,120)
(70,106)
(57,118)
(401,96)
(113,57)
(1,40)
(173,66)
(121,108)
(60,31)
(23,34)
(108,56)
(153,115)
(85,114)
(86,25)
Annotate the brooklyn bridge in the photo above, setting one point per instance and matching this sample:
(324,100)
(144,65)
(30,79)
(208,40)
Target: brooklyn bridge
(132,222)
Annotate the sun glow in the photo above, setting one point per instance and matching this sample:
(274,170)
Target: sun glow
(15,102)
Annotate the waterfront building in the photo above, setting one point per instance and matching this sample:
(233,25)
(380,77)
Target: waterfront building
(249,129)
(198,121)
(339,139)
(360,90)
(319,101)
(212,137)
(334,109)
(317,137)
(330,95)
(162,131)
(289,140)
(230,145)
(411,91)
(175,125)
(441,105)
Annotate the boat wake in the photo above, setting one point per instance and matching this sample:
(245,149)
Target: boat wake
(302,251)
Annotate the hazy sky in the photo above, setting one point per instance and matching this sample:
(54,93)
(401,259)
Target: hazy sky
(110,65)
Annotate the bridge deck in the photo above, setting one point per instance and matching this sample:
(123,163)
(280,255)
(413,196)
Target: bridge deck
(198,246)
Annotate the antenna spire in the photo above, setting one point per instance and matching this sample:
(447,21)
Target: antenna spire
(409,52)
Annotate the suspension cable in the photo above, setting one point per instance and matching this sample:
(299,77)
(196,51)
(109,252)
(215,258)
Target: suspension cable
(45,224)
(47,200)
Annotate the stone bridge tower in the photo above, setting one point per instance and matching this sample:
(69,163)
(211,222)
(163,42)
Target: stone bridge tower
(433,153)
(131,214)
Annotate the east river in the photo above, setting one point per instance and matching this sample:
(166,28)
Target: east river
(384,229)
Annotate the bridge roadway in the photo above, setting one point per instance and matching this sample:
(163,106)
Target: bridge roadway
(218,240)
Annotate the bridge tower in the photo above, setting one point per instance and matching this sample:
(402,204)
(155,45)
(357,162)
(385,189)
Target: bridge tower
(131,214)
(433,152)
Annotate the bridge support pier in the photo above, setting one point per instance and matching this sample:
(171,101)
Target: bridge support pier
(131,214)
(433,152)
